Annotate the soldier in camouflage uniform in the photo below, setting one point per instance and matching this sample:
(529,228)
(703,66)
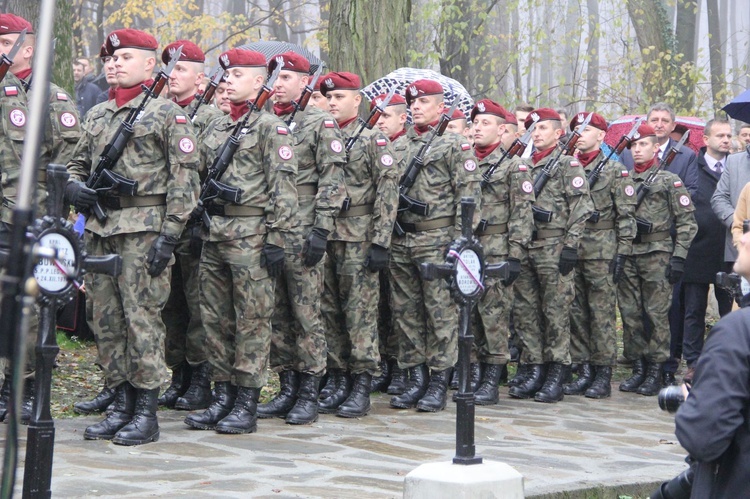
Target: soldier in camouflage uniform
(317,99)
(503,234)
(142,229)
(243,253)
(298,342)
(185,354)
(544,291)
(357,251)
(61,135)
(645,286)
(605,243)
(424,315)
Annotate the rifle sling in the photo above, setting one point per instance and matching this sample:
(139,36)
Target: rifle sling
(493,229)
(438,223)
(118,203)
(602,225)
(230,210)
(357,211)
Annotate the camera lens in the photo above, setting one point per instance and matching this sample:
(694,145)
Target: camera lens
(670,398)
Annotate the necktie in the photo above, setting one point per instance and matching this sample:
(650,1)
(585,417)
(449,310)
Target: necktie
(719,167)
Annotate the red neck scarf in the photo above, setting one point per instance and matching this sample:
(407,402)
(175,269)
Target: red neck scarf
(425,128)
(280,109)
(237,111)
(185,102)
(645,166)
(482,152)
(343,124)
(397,135)
(23,74)
(586,158)
(125,95)
(111,93)
(540,155)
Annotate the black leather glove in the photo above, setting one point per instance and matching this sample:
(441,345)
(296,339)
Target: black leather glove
(617,267)
(160,254)
(675,269)
(80,196)
(197,213)
(272,257)
(196,241)
(568,259)
(314,247)
(514,270)
(377,258)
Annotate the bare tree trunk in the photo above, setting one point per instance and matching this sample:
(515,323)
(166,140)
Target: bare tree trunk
(714,53)
(517,82)
(687,22)
(325,10)
(592,73)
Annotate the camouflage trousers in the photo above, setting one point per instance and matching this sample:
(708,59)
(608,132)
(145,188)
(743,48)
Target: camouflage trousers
(349,306)
(126,312)
(387,341)
(490,321)
(593,334)
(645,291)
(186,336)
(237,299)
(425,318)
(298,340)
(542,306)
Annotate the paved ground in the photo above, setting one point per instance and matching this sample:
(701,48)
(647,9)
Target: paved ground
(621,445)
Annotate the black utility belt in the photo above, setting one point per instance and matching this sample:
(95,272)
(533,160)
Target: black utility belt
(230,210)
(437,223)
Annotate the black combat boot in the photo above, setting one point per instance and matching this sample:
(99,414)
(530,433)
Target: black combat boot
(399,377)
(283,402)
(639,375)
(144,427)
(357,404)
(522,372)
(121,414)
(584,381)
(343,387)
(305,410)
(4,397)
(454,377)
(198,394)
(178,386)
(27,403)
(601,387)
(531,384)
(476,376)
(333,379)
(225,395)
(503,375)
(436,396)
(487,394)
(653,382)
(97,404)
(243,417)
(419,378)
(552,390)
(381,381)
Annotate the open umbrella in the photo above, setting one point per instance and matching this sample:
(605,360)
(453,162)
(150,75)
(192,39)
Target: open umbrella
(273,48)
(622,125)
(739,108)
(402,77)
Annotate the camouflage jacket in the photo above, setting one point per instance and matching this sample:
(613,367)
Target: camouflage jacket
(161,156)
(371,179)
(400,148)
(506,201)
(450,172)
(319,148)
(206,114)
(566,195)
(61,135)
(667,203)
(264,168)
(614,198)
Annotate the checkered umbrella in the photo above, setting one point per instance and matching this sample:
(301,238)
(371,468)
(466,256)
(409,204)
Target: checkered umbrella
(402,77)
(274,48)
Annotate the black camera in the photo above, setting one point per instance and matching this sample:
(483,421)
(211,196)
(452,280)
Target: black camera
(732,283)
(670,399)
(679,487)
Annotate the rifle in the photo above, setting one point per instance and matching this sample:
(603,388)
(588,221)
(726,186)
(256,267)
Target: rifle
(103,179)
(301,103)
(515,149)
(551,167)
(212,188)
(643,225)
(405,202)
(7,60)
(208,94)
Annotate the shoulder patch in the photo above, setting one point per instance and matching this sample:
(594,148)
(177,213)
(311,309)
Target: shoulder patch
(62,96)
(329,124)
(381,142)
(624,173)
(11,90)
(68,120)
(470,165)
(685,200)
(522,167)
(575,163)
(282,130)
(181,119)
(465,147)
(186,145)
(577,182)
(678,183)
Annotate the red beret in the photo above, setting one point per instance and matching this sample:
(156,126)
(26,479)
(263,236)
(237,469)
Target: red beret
(510,118)
(339,81)
(541,114)
(395,100)
(130,39)
(420,88)
(597,121)
(292,62)
(487,106)
(242,58)
(457,114)
(103,52)
(190,52)
(645,130)
(10,24)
